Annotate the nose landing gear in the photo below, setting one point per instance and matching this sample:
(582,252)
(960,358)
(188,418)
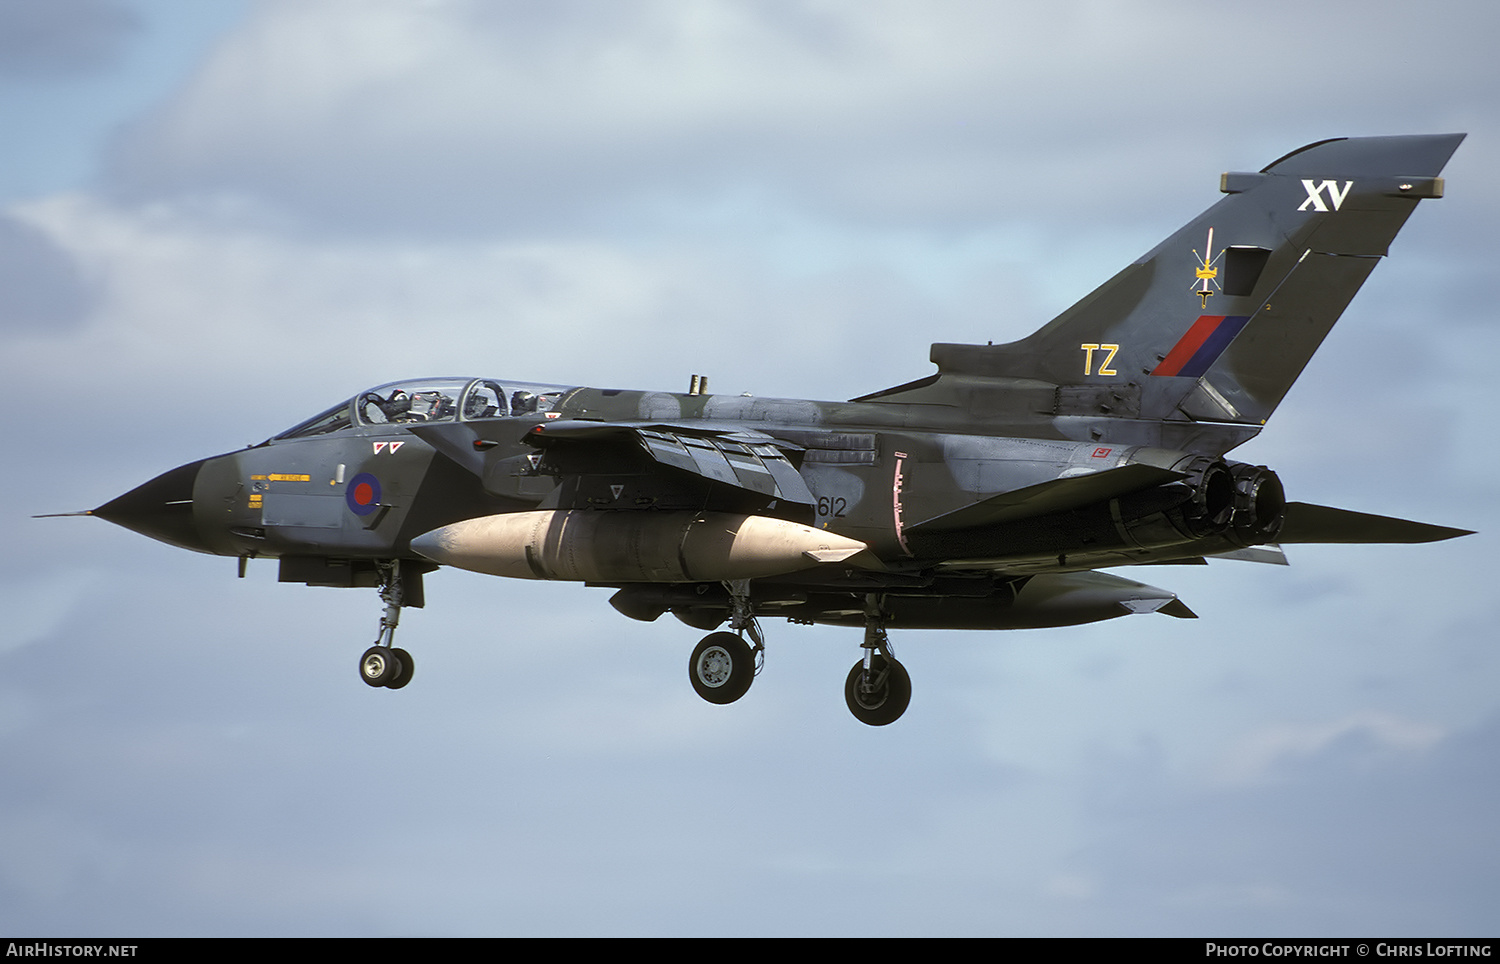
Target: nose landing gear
(384,664)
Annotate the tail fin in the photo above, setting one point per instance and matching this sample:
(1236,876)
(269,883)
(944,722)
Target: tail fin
(1216,323)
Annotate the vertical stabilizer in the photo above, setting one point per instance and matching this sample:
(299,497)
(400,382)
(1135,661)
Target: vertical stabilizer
(1215,323)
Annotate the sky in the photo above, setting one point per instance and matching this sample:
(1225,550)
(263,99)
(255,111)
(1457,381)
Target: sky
(219,218)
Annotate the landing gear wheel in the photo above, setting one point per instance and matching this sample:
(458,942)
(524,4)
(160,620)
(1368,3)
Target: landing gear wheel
(380,666)
(887,696)
(722,668)
(407,668)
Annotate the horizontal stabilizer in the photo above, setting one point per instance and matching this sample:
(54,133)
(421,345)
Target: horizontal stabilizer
(1320,523)
(1058,495)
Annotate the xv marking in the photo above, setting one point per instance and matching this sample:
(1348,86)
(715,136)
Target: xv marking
(1315,194)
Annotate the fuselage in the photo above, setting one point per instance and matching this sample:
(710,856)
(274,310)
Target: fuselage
(363,479)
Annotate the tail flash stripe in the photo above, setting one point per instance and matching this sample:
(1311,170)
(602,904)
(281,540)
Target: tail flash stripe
(1202,345)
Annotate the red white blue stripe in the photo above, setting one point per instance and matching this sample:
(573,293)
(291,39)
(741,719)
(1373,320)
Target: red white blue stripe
(1204,342)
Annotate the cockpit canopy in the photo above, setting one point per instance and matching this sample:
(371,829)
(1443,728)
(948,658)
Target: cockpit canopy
(428,400)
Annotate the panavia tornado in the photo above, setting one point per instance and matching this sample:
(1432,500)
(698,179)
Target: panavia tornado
(985,496)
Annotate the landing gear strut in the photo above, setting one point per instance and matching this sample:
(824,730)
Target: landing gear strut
(878,689)
(723,665)
(384,664)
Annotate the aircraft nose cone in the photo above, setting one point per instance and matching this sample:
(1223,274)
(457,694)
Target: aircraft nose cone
(161,509)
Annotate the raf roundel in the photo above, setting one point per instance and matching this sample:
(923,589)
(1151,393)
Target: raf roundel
(363,494)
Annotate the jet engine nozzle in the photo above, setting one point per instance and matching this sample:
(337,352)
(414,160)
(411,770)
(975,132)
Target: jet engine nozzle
(633,546)
(1211,506)
(1259,504)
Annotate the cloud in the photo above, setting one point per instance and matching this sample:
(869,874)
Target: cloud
(461,116)
(48,39)
(1261,754)
(1355,832)
(45,289)
(175,283)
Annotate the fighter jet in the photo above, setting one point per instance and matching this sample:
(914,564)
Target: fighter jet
(985,496)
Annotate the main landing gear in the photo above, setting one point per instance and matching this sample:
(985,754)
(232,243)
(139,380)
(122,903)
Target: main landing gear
(722,667)
(878,688)
(723,664)
(384,664)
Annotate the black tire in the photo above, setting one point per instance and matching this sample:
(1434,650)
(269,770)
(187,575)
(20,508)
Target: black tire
(407,668)
(721,668)
(890,698)
(377,667)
